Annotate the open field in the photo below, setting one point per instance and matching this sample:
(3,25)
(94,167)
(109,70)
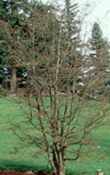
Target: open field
(17,155)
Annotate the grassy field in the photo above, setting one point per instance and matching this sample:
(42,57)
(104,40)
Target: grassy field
(17,155)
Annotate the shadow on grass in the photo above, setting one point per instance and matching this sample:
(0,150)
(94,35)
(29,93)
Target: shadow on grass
(10,165)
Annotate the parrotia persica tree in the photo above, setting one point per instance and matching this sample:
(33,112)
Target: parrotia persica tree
(55,116)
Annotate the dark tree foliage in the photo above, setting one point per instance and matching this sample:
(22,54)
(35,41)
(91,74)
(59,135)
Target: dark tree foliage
(3,10)
(14,14)
(97,37)
(98,60)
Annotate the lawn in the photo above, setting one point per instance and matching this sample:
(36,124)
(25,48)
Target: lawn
(17,155)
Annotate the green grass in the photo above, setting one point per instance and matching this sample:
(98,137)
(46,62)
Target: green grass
(17,155)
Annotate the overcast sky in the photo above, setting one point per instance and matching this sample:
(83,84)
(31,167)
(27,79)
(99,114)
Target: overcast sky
(99,11)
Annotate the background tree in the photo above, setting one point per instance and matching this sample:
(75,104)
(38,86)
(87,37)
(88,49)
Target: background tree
(99,56)
(14,14)
(3,41)
(39,39)
(70,38)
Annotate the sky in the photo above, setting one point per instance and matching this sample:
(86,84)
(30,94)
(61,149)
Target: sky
(99,11)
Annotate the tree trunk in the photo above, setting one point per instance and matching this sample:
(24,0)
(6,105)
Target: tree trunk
(61,165)
(33,69)
(13,81)
(58,162)
(61,170)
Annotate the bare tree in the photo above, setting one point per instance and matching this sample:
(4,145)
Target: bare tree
(61,128)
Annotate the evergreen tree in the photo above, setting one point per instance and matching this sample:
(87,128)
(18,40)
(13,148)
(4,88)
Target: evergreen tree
(3,42)
(71,43)
(97,40)
(14,14)
(3,10)
(99,57)
(99,46)
(41,27)
(13,11)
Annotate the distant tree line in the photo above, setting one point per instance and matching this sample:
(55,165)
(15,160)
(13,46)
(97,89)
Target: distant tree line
(28,31)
